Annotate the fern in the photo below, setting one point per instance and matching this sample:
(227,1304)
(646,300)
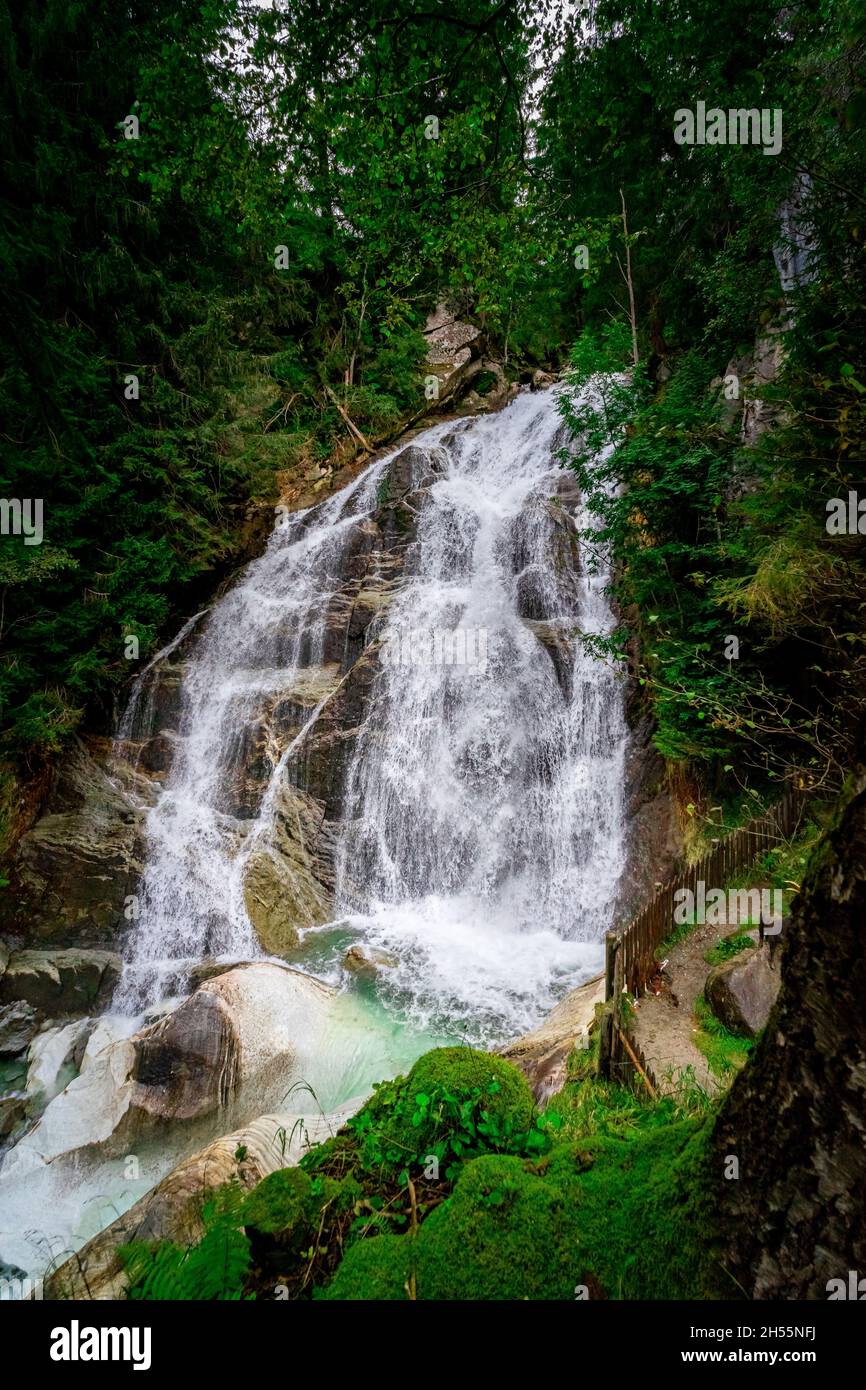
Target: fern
(212,1270)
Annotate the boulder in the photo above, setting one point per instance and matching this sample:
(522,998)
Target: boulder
(208,969)
(187,1064)
(233,1047)
(742,991)
(367,961)
(54,1059)
(19,1024)
(173,1209)
(541,380)
(60,982)
(542,1055)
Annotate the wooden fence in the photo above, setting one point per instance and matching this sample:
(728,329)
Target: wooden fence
(630,952)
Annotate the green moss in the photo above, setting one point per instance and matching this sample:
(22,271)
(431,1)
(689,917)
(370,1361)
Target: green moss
(287,1205)
(375,1269)
(627,1218)
(507,1232)
(454,1104)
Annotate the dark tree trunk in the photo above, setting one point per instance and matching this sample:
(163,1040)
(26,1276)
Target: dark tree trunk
(795,1217)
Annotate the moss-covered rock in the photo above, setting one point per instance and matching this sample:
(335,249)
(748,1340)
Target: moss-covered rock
(454,1103)
(287,1205)
(377,1269)
(507,1232)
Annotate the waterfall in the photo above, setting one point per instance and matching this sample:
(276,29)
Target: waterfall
(478,842)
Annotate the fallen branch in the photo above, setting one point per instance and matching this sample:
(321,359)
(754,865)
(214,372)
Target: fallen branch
(350,425)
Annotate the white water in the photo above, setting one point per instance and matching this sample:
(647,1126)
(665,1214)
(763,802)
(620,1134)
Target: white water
(481,841)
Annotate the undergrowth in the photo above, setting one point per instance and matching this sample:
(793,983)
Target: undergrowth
(451,1184)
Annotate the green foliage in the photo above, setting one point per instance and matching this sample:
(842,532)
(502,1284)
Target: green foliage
(727,947)
(619,1196)
(627,1219)
(725,1051)
(454,1104)
(213,1269)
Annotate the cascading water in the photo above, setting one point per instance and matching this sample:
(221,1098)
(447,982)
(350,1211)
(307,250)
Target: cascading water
(483,804)
(479,839)
(472,829)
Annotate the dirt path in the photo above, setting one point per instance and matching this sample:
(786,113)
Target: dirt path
(665,1024)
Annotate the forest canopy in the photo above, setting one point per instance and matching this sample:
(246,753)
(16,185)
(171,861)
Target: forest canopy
(224,226)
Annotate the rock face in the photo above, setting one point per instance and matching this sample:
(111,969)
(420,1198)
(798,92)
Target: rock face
(172,1210)
(74,868)
(19,1023)
(542,1055)
(742,991)
(53,1057)
(796,1115)
(654,840)
(288,880)
(449,348)
(60,982)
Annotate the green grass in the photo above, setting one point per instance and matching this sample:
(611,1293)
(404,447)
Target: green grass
(725,1052)
(729,946)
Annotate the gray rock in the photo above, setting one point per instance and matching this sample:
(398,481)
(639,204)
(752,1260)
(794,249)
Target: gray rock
(13,1112)
(60,982)
(367,961)
(742,991)
(173,1209)
(19,1024)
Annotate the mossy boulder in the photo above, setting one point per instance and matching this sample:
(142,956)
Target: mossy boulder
(507,1232)
(286,1206)
(454,1102)
(378,1269)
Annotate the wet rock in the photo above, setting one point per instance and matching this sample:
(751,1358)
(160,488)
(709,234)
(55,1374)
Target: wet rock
(74,868)
(173,1209)
(61,982)
(232,1048)
(542,1055)
(208,969)
(188,1063)
(288,879)
(54,1059)
(367,961)
(19,1024)
(13,1114)
(541,380)
(742,991)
